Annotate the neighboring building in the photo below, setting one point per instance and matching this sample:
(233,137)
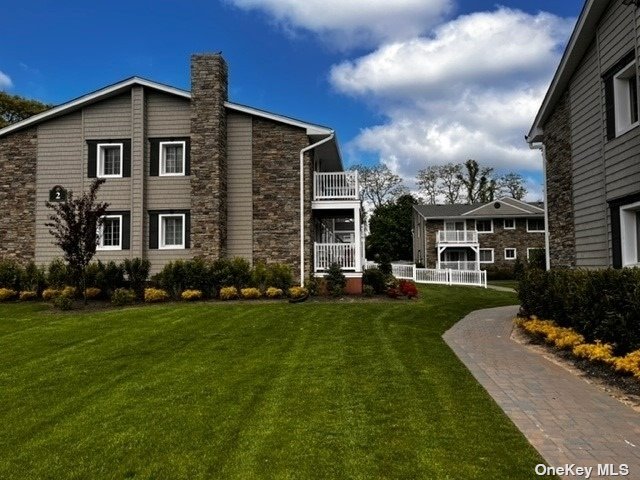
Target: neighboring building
(588,129)
(483,236)
(187,174)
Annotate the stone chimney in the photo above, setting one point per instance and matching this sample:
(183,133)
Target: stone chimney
(209,91)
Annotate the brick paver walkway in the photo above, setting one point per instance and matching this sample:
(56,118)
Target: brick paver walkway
(565,418)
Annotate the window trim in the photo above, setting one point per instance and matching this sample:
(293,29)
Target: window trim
(162,165)
(99,244)
(100,159)
(620,104)
(161,244)
(515,253)
(631,244)
(533,248)
(493,257)
(484,220)
(504,225)
(536,231)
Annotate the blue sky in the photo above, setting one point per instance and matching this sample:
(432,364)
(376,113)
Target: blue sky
(409,82)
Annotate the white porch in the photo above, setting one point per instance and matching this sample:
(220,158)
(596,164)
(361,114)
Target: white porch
(335,186)
(458,257)
(338,238)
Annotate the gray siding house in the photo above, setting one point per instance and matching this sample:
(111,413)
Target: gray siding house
(485,236)
(587,129)
(188,173)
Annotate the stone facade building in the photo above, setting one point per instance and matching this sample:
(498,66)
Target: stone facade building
(188,174)
(487,236)
(587,129)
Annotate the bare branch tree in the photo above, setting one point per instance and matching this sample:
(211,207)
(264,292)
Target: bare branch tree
(450,182)
(429,184)
(476,181)
(513,185)
(378,184)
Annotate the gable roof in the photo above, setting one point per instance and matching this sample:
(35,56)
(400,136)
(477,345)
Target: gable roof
(509,207)
(124,85)
(581,37)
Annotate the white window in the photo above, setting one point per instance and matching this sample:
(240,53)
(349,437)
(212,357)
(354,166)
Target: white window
(172,231)
(625,94)
(172,159)
(110,233)
(484,226)
(535,225)
(630,234)
(510,253)
(109,160)
(531,250)
(486,255)
(509,224)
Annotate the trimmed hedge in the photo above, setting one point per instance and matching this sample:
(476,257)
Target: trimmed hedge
(599,304)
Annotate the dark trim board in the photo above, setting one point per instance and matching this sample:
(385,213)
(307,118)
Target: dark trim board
(616,241)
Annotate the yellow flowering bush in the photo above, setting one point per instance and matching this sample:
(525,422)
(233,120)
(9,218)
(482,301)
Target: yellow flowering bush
(298,292)
(50,293)
(630,363)
(92,292)
(28,295)
(564,338)
(596,352)
(68,292)
(7,294)
(250,293)
(273,292)
(228,293)
(191,295)
(155,295)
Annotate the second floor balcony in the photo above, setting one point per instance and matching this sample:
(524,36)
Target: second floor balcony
(335,186)
(458,236)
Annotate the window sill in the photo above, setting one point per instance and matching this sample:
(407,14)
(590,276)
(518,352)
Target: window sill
(536,231)
(172,247)
(626,130)
(109,176)
(171,175)
(108,249)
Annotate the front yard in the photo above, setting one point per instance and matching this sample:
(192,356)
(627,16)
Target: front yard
(251,390)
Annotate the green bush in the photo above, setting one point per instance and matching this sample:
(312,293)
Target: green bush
(260,276)
(368,291)
(279,275)
(57,274)
(63,302)
(180,275)
(123,296)
(137,271)
(336,281)
(374,278)
(105,276)
(500,273)
(33,278)
(599,304)
(10,274)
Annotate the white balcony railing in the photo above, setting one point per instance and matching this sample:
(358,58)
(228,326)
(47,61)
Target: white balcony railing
(344,254)
(461,265)
(335,185)
(457,236)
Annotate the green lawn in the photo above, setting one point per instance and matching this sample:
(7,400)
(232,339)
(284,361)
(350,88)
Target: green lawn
(251,390)
(504,283)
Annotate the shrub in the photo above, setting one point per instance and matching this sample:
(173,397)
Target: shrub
(599,352)
(385,266)
(393,292)
(368,291)
(336,281)
(123,296)
(228,293)
(250,293)
(27,295)
(279,275)
(273,292)
(260,275)
(137,271)
(239,273)
(50,293)
(33,278)
(500,273)
(374,278)
(105,276)
(297,292)
(57,274)
(630,363)
(10,274)
(408,288)
(155,295)
(68,292)
(92,293)
(7,294)
(63,303)
(191,295)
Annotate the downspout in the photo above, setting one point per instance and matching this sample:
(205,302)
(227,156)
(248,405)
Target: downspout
(547,254)
(302,152)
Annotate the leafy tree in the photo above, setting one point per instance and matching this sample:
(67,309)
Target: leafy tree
(429,184)
(378,184)
(74,226)
(513,185)
(476,182)
(14,108)
(390,230)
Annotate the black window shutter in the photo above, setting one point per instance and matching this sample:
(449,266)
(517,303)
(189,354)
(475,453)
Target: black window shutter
(92,159)
(126,158)
(610,111)
(187,157)
(154,156)
(126,230)
(187,229)
(153,231)
(616,243)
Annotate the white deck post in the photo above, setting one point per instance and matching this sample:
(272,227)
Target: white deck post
(358,232)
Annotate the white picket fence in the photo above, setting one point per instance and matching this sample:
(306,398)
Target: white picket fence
(475,278)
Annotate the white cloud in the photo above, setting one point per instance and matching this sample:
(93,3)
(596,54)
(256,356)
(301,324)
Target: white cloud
(471,90)
(348,23)
(5,81)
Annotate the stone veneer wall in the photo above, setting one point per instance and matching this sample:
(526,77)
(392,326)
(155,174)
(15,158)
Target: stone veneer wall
(500,239)
(18,154)
(431,229)
(276,194)
(209,91)
(557,141)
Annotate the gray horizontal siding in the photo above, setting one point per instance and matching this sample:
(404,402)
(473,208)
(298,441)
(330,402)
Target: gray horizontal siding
(167,115)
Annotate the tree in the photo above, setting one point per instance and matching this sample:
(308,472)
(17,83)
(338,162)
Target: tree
(476,181)
(74,226)
(390,226)
(378,184)
(512,184)
(429,184)
(450,182)
(14,108)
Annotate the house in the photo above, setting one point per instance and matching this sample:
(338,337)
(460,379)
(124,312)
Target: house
(587,129)
(188,173)
(483,236)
